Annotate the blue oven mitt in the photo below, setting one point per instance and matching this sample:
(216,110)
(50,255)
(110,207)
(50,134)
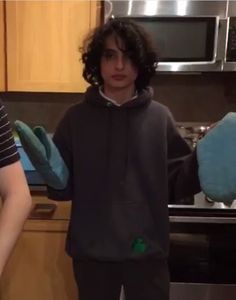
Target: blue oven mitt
(216,154)
(43,154)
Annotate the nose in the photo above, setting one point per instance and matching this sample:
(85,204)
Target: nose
(120,63)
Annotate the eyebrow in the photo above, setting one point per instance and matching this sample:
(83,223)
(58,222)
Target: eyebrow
(111,50)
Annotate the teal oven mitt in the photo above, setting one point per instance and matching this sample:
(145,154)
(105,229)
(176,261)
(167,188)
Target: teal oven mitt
(216,154)
(43,154)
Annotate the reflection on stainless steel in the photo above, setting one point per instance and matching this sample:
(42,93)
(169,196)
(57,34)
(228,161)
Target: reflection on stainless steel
(198,291)
(201,291)
(222,12)
(192,219)
(150,7)
(190,66)
(168,8)
(201,201)
(182,7)
(192,133)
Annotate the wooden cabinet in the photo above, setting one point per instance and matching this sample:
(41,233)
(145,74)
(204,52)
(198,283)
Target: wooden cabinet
(39,268)
(43,38)
(2,50)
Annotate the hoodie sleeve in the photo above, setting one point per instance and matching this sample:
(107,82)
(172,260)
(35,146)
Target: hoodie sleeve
(62,141)
(182,165)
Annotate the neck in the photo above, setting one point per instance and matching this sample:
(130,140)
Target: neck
(120,96)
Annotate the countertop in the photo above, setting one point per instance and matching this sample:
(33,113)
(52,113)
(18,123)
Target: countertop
(46,209)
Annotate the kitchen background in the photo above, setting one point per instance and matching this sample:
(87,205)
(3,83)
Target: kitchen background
(199,98)
(40,77)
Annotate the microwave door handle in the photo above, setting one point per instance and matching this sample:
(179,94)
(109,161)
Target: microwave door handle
(222,39)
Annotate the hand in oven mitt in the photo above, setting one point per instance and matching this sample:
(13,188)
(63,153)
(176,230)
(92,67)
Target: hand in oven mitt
(43,154)
(216,154)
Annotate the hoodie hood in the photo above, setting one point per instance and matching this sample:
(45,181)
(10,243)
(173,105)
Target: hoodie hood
(93,96)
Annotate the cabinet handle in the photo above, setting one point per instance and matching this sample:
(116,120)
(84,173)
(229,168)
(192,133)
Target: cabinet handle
(43,211)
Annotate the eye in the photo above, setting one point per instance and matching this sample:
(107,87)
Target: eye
(108,54)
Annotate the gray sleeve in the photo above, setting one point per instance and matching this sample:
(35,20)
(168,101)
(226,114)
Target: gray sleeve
(182,166)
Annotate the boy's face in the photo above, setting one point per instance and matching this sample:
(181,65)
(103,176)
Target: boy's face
(117,69)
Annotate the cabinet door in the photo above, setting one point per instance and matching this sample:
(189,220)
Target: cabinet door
(2,51)
(43,38)
(39,268)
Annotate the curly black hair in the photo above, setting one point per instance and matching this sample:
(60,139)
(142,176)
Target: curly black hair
(137,43)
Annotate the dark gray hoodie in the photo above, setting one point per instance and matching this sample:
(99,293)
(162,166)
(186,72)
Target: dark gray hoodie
(126,163)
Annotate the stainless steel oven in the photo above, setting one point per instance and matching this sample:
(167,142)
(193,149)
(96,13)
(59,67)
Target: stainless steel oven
(202,256)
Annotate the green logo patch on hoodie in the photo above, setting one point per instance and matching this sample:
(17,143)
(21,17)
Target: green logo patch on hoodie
(139,246)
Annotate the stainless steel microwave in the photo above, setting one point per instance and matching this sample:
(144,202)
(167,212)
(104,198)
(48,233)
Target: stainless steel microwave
(189,35)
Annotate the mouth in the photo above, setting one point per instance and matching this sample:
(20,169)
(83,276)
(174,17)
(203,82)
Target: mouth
(118,77)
